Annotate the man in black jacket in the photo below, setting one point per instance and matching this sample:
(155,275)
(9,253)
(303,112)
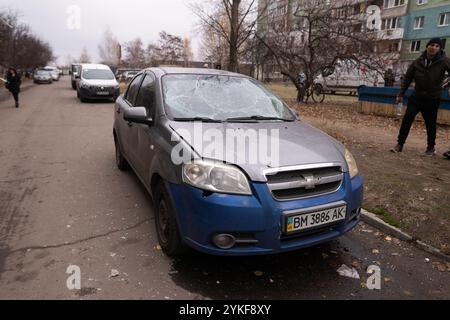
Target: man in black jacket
(428,73)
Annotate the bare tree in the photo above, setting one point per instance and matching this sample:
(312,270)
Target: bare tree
(84,57)
(151,55)
(214,48)
(19,47)
(233,21)
(109,49)
(135,54)
(170,48)
(323,34)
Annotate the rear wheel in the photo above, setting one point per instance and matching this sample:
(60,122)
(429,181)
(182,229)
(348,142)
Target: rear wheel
(166,223)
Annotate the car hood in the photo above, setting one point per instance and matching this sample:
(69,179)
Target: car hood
(104,83)
(299,144)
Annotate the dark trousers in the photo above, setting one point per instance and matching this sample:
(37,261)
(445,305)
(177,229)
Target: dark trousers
(16,96)
(429,109)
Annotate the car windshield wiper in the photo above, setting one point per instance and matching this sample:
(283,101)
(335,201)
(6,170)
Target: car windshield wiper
(258,118)
(200,119)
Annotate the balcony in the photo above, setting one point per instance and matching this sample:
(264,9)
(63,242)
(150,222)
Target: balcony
(391,34)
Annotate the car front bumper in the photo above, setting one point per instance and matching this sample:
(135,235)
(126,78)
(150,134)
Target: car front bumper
(258,217)
(98,93)
(49,80)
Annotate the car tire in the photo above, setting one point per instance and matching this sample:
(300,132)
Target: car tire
(121,162)
(166,223)
(74,85)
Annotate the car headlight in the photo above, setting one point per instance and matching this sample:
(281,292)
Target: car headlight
(351,162)
(216,177)
(84,85)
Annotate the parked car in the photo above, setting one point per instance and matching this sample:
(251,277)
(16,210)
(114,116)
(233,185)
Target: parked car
(75,71)
(97,81)
(55,72)
(220,206)
(42,76)
(129,75)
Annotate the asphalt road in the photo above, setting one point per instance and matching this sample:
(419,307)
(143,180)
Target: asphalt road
(63,202)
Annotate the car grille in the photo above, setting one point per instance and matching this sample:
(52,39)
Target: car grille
(304,183)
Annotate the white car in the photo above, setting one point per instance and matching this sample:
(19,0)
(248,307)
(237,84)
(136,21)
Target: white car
(97,81)
(56,73)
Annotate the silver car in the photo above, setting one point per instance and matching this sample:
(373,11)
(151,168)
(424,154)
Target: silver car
(42,76)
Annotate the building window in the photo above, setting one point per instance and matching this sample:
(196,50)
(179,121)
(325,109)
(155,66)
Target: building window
(444,19)
(391,23)
(394,47)
(415,46)
(392,3)
(444,42)
(421,2)
(419,22)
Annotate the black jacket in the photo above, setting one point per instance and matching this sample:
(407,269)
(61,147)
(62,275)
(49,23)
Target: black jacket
(13,83)
(428,76)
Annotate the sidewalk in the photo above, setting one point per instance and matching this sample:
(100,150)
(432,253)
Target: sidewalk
(5,94)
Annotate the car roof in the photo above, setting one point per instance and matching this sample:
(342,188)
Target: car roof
(95,66)
(174,70)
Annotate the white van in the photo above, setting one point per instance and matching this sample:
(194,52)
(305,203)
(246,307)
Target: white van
(97,81)
(348,79)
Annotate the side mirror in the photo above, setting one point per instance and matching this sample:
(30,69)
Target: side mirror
(137,115)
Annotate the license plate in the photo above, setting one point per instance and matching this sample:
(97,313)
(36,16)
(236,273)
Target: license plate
(310,220)
(102,93)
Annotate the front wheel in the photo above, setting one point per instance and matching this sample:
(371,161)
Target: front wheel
(121,162)
(317,94)
(166,223)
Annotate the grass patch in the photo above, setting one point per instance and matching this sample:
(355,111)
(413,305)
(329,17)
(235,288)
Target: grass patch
(289,92)
(385,215)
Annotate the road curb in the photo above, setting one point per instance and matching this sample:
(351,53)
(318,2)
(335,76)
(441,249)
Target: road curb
(374,221)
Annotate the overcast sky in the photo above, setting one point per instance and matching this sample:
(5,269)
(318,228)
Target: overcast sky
(127,19)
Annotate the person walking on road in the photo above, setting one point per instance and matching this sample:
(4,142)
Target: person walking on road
(428,73)
(13,83)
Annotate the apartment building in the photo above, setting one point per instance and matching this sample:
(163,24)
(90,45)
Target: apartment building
(426,19)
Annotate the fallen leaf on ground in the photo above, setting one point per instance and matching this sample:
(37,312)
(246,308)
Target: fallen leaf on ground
(348,272)
(114,273)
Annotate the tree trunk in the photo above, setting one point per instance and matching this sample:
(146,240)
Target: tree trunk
(233,63)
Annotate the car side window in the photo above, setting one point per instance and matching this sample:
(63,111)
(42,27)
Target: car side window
(133,90)
(146,95)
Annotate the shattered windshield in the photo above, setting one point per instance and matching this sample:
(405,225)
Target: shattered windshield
(220,98)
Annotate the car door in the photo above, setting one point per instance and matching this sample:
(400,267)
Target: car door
(127,130)
(146,134)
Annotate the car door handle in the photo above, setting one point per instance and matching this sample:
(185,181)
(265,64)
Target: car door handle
(130,124)
(118,110)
